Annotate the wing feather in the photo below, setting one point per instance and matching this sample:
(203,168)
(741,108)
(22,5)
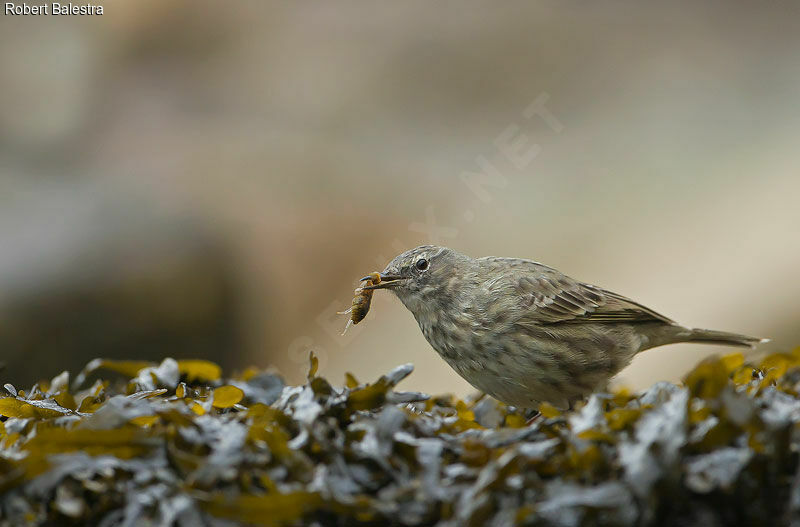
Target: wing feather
(548,296)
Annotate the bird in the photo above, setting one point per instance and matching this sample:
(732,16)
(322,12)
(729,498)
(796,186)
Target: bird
(525,333)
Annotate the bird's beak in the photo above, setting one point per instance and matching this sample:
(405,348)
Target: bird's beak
(388,280)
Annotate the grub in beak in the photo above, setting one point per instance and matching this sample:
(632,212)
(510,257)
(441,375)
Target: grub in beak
(387,281)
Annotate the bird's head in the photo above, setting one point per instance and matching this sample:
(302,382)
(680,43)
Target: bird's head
(425,278)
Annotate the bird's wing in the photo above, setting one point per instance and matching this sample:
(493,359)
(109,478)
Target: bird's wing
(547,296)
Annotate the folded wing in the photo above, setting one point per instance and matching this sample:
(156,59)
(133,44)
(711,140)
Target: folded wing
(548,296)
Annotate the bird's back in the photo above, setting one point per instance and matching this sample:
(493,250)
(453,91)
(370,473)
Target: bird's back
(547,296)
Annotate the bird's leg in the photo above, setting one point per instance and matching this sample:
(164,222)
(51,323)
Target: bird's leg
(532,415)
(478,398)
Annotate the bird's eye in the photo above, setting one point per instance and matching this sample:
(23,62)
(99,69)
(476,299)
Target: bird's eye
(421,264)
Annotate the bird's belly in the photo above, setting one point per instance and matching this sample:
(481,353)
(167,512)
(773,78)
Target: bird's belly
(526,387)
(527,371)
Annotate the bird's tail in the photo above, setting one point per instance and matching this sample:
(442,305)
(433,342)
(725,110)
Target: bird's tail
(708,336)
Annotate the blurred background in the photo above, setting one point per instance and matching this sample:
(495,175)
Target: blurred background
(191,180)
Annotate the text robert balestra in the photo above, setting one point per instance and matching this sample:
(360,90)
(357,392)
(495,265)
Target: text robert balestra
(52,9)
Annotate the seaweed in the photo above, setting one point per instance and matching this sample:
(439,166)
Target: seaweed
(176,443)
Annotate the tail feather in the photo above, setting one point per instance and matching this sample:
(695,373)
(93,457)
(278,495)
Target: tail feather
(708,336)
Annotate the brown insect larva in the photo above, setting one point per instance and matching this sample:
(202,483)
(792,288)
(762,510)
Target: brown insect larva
(361,302)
